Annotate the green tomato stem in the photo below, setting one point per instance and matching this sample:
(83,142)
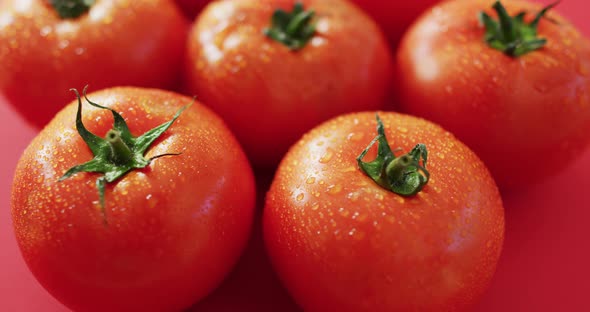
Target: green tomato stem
(70,9)
(293,29)
(405,175)
(511,34)
(121,154)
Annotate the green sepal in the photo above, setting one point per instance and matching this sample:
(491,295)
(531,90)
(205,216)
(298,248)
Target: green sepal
(71,8)
(293,29)
(118,153)
(404,175)
(512,35)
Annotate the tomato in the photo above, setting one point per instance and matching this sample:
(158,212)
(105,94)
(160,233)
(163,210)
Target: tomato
(111,43)
(192,7)
(526,115)
(253,285)
(394,17)
(158,238)
(270,92)
(342,242)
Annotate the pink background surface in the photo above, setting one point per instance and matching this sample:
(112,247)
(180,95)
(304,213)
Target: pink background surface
(545,265)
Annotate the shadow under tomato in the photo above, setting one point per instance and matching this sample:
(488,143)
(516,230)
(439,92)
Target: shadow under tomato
(253,285)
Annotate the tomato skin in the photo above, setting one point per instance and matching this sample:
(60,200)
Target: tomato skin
(243,75)
(175,228)
(117,42)
(340,242)
(526,117)
(394,17)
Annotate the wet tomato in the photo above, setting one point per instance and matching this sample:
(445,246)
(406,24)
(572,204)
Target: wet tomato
(514,87)
(51,46)
(318,59)
(146,213)
(418,228)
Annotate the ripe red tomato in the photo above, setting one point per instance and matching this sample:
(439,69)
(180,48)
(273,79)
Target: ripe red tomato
(192,7)
(164,236)
(526,115)
(341,242)
(394,17)
(113,43)
(333,61)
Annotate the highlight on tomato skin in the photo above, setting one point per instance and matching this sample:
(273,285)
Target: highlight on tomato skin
(340,241)
(165,235)
(49,47)
(284,66)
(518,95)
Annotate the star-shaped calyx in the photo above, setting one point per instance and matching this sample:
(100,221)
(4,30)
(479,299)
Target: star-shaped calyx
(403,175)
(119,152)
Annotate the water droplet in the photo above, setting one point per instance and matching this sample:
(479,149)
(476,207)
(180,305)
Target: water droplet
(45,31)
(355,136)
(310,180)
(300,197)
(478,64)
(327,157)
(151,201)
(315,207)
(353,196)
(63,44)
(343,212)
(348,169)
(362,183)
(79,51)
(379,196)
(334,189)
(356,234)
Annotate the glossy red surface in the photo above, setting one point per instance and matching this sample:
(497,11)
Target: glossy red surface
(544,266)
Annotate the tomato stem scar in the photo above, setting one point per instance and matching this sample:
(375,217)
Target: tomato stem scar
(403,175)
